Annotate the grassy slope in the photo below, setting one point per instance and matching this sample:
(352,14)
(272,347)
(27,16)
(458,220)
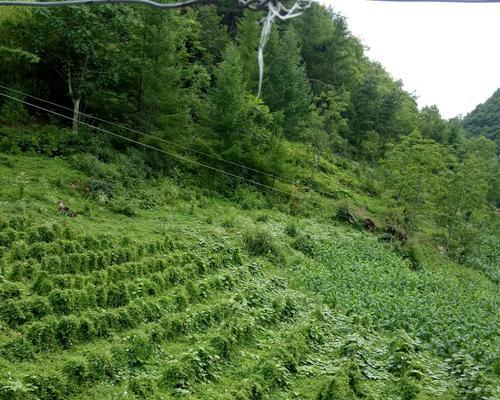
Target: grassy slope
(281,325)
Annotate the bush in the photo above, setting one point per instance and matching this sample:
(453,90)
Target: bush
(139,349)
(123,207)
(143,386)
(50,385)
(305,244)
(249,198)
(292,228)
(45,140)
(275,374)
(101,365)
(67,331)
(13,113)
(261,242)
(345,214)
(42,335)
(7,237)
(62,301)
(77,370)
(101,189)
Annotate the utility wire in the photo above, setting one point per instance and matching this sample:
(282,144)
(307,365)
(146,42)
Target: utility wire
(254,5)
(149,135)
(157,149)
(276,177)
(65,3)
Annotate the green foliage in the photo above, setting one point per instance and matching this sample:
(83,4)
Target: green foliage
(123,206)
(13,112)
(132,313)
(261,242)
(286,86)
(249,198)
(485,120)
(305,244)
(44,140)
(415,169)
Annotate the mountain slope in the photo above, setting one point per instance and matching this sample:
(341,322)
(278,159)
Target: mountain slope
(195,296)
(485,119)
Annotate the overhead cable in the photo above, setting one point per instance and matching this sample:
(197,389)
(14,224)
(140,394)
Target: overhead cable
(174,155)
(273,176)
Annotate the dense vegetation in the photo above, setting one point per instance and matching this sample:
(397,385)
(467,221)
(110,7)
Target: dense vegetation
(363,261)
(485,119)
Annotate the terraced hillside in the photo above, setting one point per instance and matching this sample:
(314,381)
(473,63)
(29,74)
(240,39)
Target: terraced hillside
(192,296)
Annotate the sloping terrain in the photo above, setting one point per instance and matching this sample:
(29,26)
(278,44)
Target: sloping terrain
(190,295)
(485,119)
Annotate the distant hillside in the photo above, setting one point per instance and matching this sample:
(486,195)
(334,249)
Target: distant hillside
(485,119)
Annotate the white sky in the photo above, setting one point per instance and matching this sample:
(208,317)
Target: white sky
(449,54)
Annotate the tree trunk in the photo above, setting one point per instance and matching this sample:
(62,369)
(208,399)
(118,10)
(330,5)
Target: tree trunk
(76,115)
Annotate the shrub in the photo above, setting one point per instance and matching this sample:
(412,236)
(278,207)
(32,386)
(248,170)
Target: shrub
(101,365)
(123,207)
(9,290)
(337,388)
(13,113)
(14,312)
(101,189)
(249,198)
(19,271)
(42,284)
(223,345)
(18,349)
(274,374)
(42,335)
(49,385)
(77,370)
(46,234)
(14,389)
(61,301)
(305,244)
(261,242)
(46,140)
(67,331)
(7,237)
(143,386)
(139,349)
(39,306)
(117,295)
(345,214)
(291,228)
(262,218)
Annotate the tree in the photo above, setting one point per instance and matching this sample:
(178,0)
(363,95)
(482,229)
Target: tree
(462,203)
(314,133)
(77,44)
(248,38)
(414,169)
(485,119)
(245,130)
(331,53)
(286,88)
(432,124)
(227,99)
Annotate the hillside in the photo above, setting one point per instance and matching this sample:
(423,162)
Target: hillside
(189,294)
(167,233)
(485,119)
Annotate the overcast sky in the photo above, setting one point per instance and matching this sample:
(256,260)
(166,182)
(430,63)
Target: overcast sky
(449,54)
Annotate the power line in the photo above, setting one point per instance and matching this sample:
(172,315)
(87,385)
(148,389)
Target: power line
(66,3)
(151,136)
(158,149)
(276,177)
(254,5)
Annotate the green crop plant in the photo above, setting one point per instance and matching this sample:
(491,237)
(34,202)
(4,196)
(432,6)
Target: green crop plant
(163,305)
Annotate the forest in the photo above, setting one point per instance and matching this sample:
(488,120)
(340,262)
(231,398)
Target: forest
(165,232)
